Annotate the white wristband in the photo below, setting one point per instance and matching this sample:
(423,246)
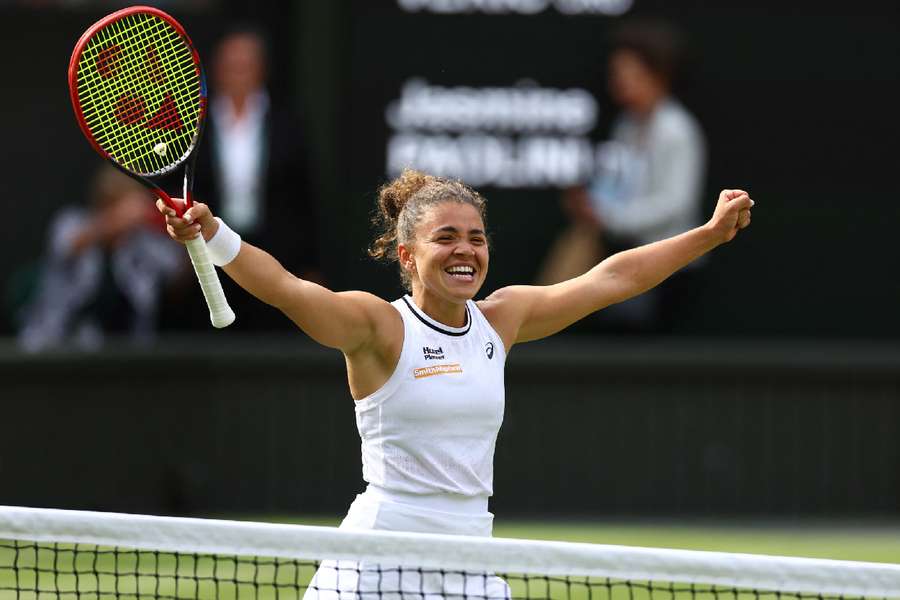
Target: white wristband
(224,246)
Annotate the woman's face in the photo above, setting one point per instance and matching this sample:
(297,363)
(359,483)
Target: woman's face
(632,83)
(449,257)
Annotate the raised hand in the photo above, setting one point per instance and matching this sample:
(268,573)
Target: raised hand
(197,219)
(732,214)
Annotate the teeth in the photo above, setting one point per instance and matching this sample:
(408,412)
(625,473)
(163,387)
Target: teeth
(466,270)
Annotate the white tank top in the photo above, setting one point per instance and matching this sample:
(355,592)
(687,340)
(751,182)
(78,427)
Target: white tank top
(431,428)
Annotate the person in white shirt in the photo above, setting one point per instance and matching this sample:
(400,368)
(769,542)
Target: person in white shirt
(651,173)
(254,168)
(426,371)
(238,110)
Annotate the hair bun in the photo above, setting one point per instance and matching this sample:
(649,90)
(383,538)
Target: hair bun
(392,197)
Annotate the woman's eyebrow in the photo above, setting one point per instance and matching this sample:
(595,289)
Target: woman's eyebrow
(452,229)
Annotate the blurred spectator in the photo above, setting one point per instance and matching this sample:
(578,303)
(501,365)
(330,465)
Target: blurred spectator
(253,168)
(104,271)
(650,176)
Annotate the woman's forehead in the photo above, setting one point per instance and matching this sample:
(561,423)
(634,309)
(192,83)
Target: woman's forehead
(457,214)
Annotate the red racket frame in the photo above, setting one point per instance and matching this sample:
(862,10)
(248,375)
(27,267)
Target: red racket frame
(82,123)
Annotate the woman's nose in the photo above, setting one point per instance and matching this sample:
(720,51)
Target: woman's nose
(464,248)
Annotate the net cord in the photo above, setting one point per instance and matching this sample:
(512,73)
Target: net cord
(209,536)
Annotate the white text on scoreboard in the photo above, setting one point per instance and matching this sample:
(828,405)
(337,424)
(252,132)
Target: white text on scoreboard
(522,7)
(522,136)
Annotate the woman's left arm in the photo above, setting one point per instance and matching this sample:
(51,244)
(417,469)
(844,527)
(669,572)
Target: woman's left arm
(525,313)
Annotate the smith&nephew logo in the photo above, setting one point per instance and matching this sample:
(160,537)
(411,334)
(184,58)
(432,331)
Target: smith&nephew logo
(433,353)
(437,370)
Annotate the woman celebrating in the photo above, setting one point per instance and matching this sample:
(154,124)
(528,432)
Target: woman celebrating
(426,371)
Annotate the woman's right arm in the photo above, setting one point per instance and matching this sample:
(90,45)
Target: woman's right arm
(347,321)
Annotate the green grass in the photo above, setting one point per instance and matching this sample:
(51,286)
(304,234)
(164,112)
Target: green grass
(866,542)
(235,580)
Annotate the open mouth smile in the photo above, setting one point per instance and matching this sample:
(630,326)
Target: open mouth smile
(461,272)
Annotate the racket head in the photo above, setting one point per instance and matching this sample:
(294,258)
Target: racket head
(138,90)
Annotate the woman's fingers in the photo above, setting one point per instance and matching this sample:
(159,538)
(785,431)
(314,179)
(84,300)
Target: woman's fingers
(732,213)
(741,202)
(165,209)
(199,213)
(177,227)
(733,194)
(182,231)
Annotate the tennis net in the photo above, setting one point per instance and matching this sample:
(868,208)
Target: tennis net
(72,555)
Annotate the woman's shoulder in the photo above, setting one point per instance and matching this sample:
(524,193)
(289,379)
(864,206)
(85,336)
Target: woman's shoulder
(501,310)
(384,316)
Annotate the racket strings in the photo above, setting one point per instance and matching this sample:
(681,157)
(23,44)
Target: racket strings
(131,108)
(140,93)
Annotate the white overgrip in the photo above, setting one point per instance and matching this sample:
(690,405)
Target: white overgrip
(220,314)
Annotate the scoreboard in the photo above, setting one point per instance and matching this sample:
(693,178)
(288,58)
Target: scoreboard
(510,96)
(506,95)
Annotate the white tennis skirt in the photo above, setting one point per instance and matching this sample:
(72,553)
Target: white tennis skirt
(377,508)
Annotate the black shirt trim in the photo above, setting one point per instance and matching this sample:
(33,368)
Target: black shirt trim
(468,325)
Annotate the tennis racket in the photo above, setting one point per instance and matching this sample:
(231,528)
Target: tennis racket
(139,95)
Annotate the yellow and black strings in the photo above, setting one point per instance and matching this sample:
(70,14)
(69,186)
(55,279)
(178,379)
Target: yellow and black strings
(140,93)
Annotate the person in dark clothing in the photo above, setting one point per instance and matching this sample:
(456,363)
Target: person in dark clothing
(253,167)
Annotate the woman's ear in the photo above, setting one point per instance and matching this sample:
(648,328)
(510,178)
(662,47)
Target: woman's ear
(405,257)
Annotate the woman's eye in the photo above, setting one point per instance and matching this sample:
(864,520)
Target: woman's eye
(478,241)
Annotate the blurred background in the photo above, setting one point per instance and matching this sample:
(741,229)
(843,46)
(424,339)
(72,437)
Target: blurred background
(761,386)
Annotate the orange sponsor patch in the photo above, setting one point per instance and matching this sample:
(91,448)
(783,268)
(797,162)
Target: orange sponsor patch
(437,370)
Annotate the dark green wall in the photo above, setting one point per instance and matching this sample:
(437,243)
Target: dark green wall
(639,427)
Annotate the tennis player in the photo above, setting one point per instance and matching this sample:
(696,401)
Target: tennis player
(426,371)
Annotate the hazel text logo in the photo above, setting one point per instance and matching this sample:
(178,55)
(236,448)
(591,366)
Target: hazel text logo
(433,353)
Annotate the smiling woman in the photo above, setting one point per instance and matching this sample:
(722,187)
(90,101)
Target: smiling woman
(453,232)
(427,370)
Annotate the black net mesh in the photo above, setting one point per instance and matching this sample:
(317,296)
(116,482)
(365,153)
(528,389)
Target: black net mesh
(47,571)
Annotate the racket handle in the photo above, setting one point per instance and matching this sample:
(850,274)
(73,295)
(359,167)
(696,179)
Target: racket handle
(220,314)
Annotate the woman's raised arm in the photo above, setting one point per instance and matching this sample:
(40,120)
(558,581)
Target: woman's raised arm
(346,321)
(525,313)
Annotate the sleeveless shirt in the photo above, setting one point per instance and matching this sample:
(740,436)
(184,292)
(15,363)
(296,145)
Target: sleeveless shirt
(432,427)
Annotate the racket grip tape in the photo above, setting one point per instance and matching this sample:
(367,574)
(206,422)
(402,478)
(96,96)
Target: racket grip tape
(220,314)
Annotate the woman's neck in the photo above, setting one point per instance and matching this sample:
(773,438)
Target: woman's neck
(450,313)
